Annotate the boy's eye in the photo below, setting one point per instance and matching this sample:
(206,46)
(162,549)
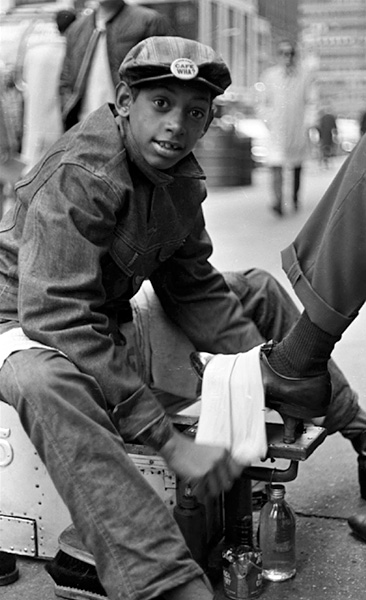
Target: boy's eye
(197,113)
(161,102)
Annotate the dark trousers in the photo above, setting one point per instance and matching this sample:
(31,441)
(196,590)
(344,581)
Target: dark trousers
(277,178)
(326,263)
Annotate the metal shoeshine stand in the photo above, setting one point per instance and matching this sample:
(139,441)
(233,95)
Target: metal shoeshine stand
(238,501)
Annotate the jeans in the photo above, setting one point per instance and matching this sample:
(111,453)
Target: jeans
(138,548)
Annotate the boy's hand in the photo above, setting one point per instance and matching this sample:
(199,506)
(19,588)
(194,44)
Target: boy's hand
(210,469)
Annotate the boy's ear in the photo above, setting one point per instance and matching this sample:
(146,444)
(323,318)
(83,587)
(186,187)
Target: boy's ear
(208,122)
(123,99)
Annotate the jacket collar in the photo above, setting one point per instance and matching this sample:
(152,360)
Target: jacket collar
(187,167)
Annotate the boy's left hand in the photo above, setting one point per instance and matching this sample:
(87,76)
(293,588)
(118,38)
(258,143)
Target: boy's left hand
(209,469)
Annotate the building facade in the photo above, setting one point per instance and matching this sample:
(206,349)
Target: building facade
(333,34)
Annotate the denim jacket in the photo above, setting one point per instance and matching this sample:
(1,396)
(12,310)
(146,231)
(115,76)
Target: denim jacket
(92,221)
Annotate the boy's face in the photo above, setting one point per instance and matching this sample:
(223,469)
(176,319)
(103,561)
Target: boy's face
(166,119)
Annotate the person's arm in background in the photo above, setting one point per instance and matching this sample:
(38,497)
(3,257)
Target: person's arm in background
(73,72)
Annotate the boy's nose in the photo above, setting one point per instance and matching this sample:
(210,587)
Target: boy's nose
(175,121)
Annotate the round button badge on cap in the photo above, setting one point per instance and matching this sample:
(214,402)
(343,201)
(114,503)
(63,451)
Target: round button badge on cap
(184,68)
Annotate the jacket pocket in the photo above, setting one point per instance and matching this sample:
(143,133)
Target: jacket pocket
(10,218)
(124,255)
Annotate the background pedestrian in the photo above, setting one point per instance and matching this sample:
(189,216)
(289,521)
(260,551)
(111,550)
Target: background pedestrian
(287,105)
(96,45)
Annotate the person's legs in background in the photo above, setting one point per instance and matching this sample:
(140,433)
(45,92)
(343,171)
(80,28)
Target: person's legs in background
(277,183)
(297,180)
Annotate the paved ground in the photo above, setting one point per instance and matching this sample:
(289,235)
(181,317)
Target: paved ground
(330,561)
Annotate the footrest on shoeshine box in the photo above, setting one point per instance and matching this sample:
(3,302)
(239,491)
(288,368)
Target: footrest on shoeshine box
(304,445)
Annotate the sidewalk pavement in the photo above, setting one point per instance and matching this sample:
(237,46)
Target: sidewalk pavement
(330,560)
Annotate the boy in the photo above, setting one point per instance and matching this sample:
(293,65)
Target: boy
(118,200)
(115,201)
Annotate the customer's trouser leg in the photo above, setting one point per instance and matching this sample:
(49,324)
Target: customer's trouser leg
(326,263)
(137,546)
(271,313)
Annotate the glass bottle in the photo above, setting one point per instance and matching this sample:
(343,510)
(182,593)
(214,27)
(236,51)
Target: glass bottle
(277,528)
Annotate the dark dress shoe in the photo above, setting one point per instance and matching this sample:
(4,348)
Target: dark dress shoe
(358,525)
(295,398)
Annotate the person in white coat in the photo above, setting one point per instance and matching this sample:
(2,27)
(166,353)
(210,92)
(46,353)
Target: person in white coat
(287,104)
(43,60)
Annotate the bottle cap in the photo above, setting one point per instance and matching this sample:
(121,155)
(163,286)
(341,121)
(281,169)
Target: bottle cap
(276,491)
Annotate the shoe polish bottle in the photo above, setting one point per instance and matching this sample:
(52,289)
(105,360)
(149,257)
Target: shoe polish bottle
(191,518)
(276,534)
(242,563)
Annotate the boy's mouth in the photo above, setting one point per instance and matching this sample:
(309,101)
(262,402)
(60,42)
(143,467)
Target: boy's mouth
(169,146)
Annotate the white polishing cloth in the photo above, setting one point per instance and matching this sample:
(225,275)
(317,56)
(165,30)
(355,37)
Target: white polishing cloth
(233,410)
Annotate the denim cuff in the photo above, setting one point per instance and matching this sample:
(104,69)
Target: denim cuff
(157,435)
(142,415)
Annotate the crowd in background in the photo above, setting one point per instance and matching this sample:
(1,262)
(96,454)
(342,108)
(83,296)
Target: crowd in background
(57,81)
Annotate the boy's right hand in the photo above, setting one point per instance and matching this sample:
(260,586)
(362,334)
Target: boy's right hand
(208,469)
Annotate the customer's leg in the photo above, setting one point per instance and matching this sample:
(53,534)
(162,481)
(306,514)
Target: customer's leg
(326,265)
(137,546)
(272,312)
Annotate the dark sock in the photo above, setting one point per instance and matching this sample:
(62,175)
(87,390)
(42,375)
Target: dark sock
(304,351)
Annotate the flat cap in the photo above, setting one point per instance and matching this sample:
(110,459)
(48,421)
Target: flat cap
(163,57)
